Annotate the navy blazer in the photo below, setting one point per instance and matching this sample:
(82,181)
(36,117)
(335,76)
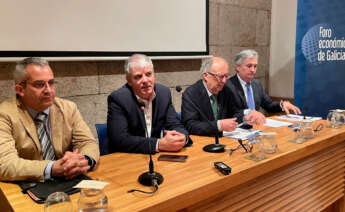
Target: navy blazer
(126,121)
(261,99)
(197,113)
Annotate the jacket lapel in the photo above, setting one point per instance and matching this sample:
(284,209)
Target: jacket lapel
(239,90)
(28,124)
(205,103)
(56,120)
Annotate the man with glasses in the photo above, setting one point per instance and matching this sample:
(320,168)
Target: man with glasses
(206,107)
(41,136)
(248,92)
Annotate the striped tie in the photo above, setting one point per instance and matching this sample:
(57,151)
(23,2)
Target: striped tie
(47,147)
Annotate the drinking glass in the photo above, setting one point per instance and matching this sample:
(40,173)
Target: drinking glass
(92,200)
(268,143)
(58,201)
(336,118)
(306,130)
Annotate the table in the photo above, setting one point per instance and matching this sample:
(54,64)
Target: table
(299,177)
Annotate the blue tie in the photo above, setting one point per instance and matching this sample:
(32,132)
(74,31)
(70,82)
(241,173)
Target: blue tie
(250,98)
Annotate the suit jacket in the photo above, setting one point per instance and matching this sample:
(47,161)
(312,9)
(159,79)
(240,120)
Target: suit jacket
(126,121)
(197,113)
(21,155)
(261,99)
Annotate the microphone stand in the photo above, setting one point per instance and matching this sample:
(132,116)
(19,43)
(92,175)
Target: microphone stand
(216,147)
(213,148)
(150,178)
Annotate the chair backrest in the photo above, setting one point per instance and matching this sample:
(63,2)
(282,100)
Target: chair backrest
(179,116)
(102,138)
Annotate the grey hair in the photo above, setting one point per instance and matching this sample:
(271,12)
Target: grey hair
(20,74)
(137,60)
(206,65)
(244,54)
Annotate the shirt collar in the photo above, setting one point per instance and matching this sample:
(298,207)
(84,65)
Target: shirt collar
(33,113)
(152,97)
(208,92)
(243,83)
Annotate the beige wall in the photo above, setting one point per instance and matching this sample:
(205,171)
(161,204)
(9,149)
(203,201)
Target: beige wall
(283,42)
(234,25)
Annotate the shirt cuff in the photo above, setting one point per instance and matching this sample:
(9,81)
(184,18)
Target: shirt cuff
(218,126)
(91,162)
(246,112)
(48,170)
(157,150)
(281,105)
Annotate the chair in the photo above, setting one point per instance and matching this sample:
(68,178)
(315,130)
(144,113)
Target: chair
(179,116)
(102,138)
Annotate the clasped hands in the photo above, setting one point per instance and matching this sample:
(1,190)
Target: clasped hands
(70,165)
(172,141)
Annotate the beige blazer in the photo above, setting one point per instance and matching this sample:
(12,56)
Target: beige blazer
(20,149)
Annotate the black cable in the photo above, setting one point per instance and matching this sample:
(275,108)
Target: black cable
(155,186)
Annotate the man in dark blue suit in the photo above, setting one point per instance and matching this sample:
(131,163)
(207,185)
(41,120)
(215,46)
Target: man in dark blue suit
(140,111)
(248,92)
(206,106)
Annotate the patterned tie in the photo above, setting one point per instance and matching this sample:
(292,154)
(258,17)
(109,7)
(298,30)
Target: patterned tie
(250,98)
(47,147)
(214,106)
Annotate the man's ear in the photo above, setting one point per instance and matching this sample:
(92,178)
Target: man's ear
(19,89)
(236,67)
(204,75)
(128,78)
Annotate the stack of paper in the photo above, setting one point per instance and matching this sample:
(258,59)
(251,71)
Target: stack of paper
(242,134)
(293,117)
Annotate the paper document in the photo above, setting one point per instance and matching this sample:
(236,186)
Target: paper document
(293,117)
(275,123)
(95,184)
(240,133)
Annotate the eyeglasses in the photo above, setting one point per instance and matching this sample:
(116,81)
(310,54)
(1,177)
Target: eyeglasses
(248,147)
(218,76)
(40,84)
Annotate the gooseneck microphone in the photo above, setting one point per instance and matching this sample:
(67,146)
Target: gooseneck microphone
(150,178)
(216,147)
(179,89)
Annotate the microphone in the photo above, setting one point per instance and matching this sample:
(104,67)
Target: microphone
(216,147)
(178,88)
(150,178)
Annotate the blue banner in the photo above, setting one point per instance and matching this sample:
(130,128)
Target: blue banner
(320,56)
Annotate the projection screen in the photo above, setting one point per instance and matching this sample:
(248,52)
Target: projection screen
(103,28)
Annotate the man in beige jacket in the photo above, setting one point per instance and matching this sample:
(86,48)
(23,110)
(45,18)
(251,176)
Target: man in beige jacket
(42,136)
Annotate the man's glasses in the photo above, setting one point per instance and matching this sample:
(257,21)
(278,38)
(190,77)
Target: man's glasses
(40,84)
(219,76)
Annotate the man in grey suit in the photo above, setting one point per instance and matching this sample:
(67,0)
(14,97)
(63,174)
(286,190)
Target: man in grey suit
(249,92)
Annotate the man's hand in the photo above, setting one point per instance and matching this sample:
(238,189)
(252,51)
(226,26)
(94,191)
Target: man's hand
(287,106)
(255,117)
(57,169)
(228,124)
(74,164)
(172,141)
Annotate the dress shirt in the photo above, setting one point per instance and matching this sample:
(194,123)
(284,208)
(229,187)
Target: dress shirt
(148,115)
